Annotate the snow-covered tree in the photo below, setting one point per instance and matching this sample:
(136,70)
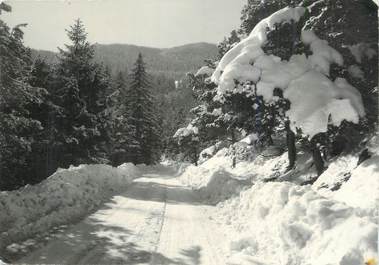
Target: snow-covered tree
(349,26)
(143,117)
(20,129)
(302,75)
(80,90)
(188,140)
(228,43)
(123,142)
(44,160)
(256,10)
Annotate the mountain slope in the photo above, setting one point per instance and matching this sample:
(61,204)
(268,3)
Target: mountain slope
(173,62)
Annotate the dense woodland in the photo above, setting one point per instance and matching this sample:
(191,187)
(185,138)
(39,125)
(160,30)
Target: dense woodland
(75,109)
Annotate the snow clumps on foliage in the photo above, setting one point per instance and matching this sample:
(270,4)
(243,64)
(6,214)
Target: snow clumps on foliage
(183,133)
(205,70)
(315,99)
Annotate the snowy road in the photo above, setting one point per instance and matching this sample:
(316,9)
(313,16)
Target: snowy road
(156,221)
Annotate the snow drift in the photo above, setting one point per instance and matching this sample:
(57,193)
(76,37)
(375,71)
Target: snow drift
(287,224)
(215,179)
(66,195)
(352,184)
(272,216)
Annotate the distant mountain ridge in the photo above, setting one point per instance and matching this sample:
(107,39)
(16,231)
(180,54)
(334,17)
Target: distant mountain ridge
(172,62)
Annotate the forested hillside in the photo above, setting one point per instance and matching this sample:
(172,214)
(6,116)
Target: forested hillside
(172,62)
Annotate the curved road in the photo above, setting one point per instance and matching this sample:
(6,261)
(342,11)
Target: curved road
(155,221)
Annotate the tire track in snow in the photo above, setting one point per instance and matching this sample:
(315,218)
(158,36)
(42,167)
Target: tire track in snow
(155,221)
(154,255)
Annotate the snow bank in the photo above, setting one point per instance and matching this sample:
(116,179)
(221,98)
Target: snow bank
(304,79)
(250,139)
(272,221)
(271,217)
(283,223)
(352,184)
(199,176)
(209,152)
(215,179)
(206,154)
(66,195)
(362,189)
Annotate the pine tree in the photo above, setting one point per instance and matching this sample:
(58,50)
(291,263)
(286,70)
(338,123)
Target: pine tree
(256,10)
(123,142)
(142,116)
(19,127)
(188,141)
(44,161)
(81,89)
(355,25)
(227,43)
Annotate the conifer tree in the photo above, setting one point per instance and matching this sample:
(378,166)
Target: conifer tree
(123,142)
(227,43)
(81,91)
(19,128)
(142,116)
(44,162)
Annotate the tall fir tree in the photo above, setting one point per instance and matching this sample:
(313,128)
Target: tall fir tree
(143,117)
(123,142)
(44,162)
(81,92)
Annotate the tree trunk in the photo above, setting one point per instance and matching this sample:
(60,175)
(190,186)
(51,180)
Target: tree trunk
(233,137)
(270,142)
(291,146)
(195,156)
(317,158)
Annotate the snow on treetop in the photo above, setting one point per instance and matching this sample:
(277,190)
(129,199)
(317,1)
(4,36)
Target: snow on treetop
(205,70)
(249,49)
(304,80)
(185,132)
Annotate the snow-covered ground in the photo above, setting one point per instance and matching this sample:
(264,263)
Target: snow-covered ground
(156,220)
(255,213)
(67,195)
(277,219)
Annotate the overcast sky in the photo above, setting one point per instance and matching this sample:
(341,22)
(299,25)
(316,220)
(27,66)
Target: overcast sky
(155,23)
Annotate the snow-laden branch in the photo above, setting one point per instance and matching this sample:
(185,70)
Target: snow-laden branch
(315,99)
